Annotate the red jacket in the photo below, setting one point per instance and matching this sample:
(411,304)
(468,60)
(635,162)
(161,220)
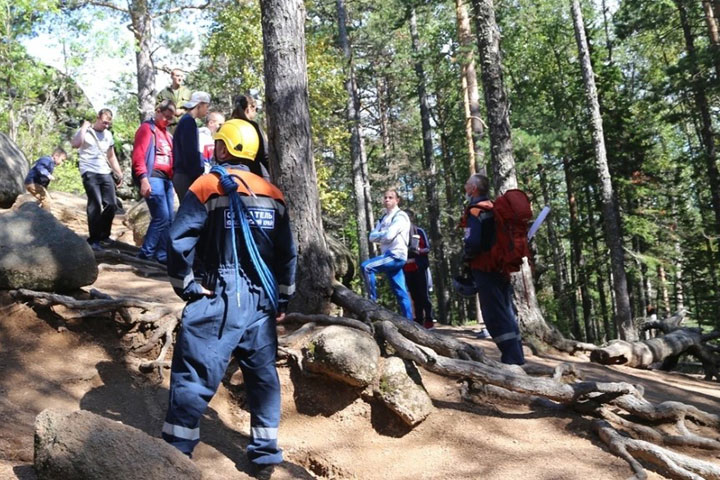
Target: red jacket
(163,156)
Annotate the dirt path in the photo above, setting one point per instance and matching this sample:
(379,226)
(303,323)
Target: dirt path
(327,430)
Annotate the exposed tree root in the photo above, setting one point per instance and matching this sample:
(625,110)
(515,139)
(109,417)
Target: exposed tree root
(449,347)
(615,405)
(670,463)
(141,318)
(126,258)
(327,320)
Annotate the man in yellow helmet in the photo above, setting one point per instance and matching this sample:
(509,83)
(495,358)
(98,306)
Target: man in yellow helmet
(232,258)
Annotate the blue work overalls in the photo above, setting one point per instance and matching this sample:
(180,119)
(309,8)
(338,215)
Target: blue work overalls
(237,319)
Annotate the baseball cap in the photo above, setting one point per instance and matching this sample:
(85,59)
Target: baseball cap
(195,98)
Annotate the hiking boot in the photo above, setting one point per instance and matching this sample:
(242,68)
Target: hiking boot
(483,334)
(262,472)
(96,246)
(428,324)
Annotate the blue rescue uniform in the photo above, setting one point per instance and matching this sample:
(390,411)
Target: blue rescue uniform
(493,288)
(238,318)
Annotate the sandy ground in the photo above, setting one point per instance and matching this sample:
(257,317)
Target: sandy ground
(327,429)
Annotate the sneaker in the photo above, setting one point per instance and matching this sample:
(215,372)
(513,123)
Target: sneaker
(483,334)
(262,472)
(96,246)
(428,324)
(106,243)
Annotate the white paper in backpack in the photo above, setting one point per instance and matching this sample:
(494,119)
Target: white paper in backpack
(538,221)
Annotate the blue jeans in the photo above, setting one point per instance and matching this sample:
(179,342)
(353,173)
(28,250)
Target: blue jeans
(393,268)
(160,203)
(496,303)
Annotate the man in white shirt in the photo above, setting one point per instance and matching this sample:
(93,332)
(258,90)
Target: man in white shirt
(392,232)
(98,165)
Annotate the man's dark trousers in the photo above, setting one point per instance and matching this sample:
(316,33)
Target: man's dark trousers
(101,205)
(496,303)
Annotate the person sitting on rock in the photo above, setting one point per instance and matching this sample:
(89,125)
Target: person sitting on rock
(41,174)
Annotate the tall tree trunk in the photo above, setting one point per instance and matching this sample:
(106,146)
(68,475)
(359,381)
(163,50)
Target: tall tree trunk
(289,138)
(141,27)
(430,179)
(613,231)
(357,144)
(663,292)
(575,243)
(706,130)
(444,298)
(678,280)
(503,164)
(381,86)
(471,96)
(560,281)
(608,42)
(713,35)
(496,102)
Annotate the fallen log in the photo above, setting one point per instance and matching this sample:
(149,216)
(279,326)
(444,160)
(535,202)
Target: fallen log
(643,353)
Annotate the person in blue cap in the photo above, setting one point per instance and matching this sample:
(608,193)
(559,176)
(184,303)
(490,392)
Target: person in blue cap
(232,258)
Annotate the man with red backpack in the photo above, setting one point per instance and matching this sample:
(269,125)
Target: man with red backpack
(152,168)
(491,260)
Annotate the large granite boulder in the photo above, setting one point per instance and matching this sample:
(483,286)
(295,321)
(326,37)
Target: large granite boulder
(401,394)
(40,253)
(344,354)
(14,168)
(84,446)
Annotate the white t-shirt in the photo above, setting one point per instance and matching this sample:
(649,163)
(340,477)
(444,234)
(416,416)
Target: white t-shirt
(92,154)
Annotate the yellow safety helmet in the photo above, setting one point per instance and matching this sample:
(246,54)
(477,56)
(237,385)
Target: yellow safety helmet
(240,138)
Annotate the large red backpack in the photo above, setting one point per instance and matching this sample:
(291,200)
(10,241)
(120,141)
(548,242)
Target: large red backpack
(512,214)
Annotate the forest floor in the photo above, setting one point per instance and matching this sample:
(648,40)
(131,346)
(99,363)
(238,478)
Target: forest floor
(327,430)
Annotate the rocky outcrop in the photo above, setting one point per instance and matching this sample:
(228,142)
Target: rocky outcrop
(14,168)
(137,220)
(84,446)
(343,353)
(401,394)
(39,253)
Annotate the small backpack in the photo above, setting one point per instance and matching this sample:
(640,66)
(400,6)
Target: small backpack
(511,214)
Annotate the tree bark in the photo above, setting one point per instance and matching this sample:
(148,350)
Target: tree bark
(701,102)
(643,353)
(141,27)
(560,282)
(599,268)
(575,244)
(713,34)
(471,96)
(496,102)
(430,179)
(286,89)
(613,231)
(503,163)
(357,143)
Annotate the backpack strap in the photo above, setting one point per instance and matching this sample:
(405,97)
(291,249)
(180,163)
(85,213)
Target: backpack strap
(150,152)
